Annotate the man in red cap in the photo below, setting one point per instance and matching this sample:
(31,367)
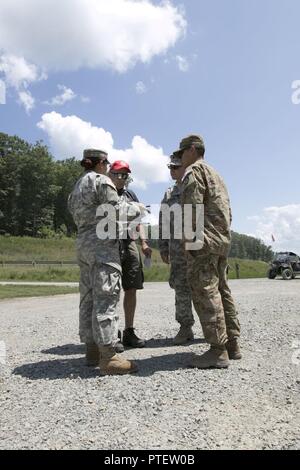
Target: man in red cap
(132,269)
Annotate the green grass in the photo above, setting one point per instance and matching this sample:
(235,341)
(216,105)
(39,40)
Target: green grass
(39,273)
(10,292)
(36,249)
(248,268)
(28,249)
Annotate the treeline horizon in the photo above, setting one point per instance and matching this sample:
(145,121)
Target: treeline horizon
(34,189)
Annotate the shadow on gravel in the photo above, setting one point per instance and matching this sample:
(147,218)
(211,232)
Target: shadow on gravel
(57,369)
(167,362)
(74,368)
(73,349)
(168,342)
(66,350)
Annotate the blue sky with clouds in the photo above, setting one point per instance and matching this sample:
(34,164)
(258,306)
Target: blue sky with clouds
(136,76)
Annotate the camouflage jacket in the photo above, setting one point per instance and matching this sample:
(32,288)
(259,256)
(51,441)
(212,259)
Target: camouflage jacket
(201,184)
(91,191)
(172,246)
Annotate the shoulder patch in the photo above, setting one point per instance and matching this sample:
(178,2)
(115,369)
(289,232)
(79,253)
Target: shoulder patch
(103,179)
(185,178)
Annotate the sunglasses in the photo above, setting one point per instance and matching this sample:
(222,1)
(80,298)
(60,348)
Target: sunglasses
(120,176)
(173,167)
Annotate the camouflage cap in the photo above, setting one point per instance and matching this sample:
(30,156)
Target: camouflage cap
(95,154)
(175,160)
(190,140)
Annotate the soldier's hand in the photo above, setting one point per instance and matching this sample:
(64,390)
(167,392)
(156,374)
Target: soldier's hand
(146,250)
(165,258)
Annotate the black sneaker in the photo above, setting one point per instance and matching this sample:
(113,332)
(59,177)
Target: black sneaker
(119,348)
(131,340)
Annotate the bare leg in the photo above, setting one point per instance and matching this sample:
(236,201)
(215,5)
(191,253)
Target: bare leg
(129,307)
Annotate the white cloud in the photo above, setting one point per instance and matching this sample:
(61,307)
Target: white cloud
(19,74)
(70,34)
(182,63)
(66,95)
(70,135)
(281,222)
(27,100)
(140,88)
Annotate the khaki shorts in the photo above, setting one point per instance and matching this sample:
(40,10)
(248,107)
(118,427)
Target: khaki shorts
(132,268)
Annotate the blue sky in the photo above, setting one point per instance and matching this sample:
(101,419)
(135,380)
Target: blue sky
(221,68)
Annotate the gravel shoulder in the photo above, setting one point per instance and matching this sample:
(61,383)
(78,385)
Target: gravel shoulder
(50,400)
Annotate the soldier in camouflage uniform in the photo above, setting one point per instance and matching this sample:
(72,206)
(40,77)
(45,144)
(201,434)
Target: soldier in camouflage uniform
(100,267)
(207,266)
(172,251)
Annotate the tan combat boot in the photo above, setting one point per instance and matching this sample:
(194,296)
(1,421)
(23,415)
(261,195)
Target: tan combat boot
(111,363)
(233,349)
(92,355)
(184,335)
(215,357)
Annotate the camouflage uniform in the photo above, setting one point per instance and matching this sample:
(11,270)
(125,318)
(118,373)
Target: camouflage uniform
(178,274)
(99,261)
(207,267)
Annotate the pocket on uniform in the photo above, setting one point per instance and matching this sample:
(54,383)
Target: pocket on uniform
(106,279)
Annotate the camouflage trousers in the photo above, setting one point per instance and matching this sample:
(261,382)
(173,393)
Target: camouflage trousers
(212,297)
(100,287)
(183,297)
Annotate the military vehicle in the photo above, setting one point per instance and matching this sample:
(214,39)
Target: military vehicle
(285,264)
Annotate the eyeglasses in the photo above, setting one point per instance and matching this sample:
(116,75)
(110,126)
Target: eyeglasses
(120,176)
(106,162)
(173,167)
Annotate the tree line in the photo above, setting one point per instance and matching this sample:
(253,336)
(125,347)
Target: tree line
(34,188)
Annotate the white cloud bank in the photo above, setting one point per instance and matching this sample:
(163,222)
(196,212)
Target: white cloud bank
(55,35)
(70,34)
(281,222)
(70,135)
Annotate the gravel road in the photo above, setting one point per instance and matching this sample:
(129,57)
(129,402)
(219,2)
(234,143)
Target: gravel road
(50,400)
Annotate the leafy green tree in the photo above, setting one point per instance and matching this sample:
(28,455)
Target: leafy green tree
(66,174)
(12,151)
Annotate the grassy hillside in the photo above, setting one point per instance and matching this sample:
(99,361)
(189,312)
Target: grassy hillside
(30,249)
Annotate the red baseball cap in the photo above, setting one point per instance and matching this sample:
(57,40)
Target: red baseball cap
(120,165)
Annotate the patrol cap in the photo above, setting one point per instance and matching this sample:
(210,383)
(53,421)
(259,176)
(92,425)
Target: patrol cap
(120,165)
(175,161)
(95,154)
(190,140)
